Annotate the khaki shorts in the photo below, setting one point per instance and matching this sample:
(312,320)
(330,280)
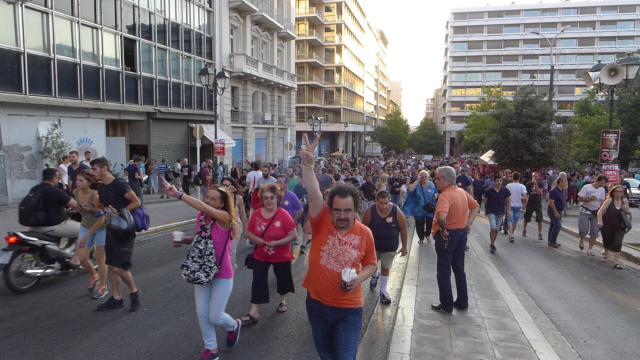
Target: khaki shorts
(386,258)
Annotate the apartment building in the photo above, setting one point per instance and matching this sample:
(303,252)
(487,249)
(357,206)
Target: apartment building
(395,88)
(496,45)
(338,63)
(121,78)
(428,110)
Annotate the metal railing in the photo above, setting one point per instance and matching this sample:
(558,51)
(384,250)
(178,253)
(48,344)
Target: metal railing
(308,100)
(239,117)
(309,56)
(309,78)
(332,39)
(308,33)
(311,10)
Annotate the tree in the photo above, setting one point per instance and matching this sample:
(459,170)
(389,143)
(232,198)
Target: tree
(591,118)
(523,130)
(476,134)
(427,139)
(629,123)
(393,135)
(54,146)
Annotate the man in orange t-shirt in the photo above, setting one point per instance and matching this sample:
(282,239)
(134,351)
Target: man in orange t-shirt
(455,212)
(339,242)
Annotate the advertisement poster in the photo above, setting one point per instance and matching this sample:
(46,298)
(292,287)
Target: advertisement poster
(609,146)
(218,147)
(612,172)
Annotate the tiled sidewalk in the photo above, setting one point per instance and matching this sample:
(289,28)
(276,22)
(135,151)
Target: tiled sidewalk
(496,326)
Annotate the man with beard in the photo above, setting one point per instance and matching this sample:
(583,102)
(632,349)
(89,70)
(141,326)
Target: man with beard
(293,179)
(266,177)
(368,192)
(395,183)
(74,167)
(342,245)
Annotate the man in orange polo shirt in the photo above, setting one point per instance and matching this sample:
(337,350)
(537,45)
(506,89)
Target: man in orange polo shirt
(455,212)
(339,242)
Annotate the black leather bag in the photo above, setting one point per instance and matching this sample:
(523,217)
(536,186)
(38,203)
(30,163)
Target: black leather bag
(428,207)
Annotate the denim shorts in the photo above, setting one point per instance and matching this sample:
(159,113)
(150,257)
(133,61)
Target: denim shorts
(515,214)
(495,221)
(98,236)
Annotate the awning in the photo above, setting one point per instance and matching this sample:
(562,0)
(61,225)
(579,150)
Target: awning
(210,132)
(487,158)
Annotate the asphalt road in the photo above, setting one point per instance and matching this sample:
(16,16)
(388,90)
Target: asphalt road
(57,320)
(593,305)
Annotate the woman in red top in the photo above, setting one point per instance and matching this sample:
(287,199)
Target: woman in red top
(271,229)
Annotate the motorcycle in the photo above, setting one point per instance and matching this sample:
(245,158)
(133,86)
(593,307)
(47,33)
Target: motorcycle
(31,256)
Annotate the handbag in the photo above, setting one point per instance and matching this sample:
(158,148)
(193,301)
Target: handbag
(200,266)
(428,207)
(624,221)
(248,261)
(168,175)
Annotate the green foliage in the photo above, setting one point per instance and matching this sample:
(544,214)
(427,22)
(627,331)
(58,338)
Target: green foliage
(523,130)
(393,135)
(628,116)
(591,118)
(54,146)
(476,134)
(427,139)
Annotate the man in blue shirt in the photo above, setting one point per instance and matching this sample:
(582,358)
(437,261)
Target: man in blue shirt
(557,203)
(462,180)
(494,207)
(134,173)
(290,202)
(74,167)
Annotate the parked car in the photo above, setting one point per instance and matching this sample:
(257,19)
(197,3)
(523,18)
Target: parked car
(634,192)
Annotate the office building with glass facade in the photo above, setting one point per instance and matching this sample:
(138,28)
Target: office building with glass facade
(498,45)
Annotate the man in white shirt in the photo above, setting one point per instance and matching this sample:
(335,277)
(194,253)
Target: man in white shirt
(177,169)
(591,197)
(519,197)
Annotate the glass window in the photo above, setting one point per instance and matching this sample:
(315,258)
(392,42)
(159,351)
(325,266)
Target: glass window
(585,59)
(199,98)
(474,91)
(161,7)
(37,37)
(626,25)
(130,54)
(474,76)
(510,60)
(176,95)
(512,29)
(569,12)
(568,42)
(586,42)
(110,14)
(187,65)
(458,77)
(544,76)
(129,18)
(187,41)
(457,92)
(188,97)
(162,62)
(8,19)
(550,13)
(175,66)
(146,58)
(567,76)
(205,22)
(607,42)
(493,76)
(39,68)
(146,24)
(112,85)
(89,44)
(548,29)
(163,93)
(68,79)
(624,42)
(607,58)
(162,30)
(42,3)
(91,82)
(609,10)
(530,61)
(198,44)
(147,3)
(459,46)
(148,96)
(88,11)
(209,45)
(131,88)
(530,44)
(459,62)
(111,49)
(608,26)
(531,13)
(65,6)
(545,59)
(65,37)
(567,59)
(10,71)
(175,36)
(186,13)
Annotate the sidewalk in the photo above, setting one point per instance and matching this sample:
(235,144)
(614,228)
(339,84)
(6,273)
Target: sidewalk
(498,325)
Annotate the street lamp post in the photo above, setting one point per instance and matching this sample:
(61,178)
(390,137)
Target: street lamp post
(551,45)
(218,84)
(346,125)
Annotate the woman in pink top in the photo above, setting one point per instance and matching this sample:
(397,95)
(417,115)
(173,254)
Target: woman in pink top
(216,214)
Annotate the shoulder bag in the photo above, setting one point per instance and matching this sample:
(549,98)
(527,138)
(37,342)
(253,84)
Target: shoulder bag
(248,261)
(200,266)
(428,207)
(624,220)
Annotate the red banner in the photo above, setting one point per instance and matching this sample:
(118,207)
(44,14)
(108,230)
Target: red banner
(612,172)
(609,146)
(218,147)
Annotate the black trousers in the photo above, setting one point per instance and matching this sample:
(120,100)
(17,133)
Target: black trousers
(423,227)
(260,284)
(186,186)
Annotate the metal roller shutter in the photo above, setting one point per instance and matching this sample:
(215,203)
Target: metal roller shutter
(169,140)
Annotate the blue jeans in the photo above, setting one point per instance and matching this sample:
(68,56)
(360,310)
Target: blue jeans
(554,226)
(395,199)
(336,331)
(211,301)
(452,257)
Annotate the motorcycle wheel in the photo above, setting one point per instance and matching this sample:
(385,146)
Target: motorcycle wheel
(13,275)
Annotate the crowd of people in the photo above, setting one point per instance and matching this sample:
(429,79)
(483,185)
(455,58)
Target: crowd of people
(353,214)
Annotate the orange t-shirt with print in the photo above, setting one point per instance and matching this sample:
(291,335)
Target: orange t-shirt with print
(455,202)
(331,252)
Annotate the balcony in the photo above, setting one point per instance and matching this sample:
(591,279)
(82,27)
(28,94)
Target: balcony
(239,117)
(313,58)
(245,65)
(289,31)
(245,7)
(332,39)
(310,80)
(333,17)
(342,103)
(268,18)
(311,14)
(308,101)
(311,36)
(340,82)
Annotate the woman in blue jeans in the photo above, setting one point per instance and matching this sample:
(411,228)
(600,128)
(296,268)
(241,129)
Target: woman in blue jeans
(557,204)
(216,217)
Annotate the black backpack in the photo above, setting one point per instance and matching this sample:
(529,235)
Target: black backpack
(31,212)
(197,180)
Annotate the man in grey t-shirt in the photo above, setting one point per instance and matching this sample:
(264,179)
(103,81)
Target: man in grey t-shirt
(266,178)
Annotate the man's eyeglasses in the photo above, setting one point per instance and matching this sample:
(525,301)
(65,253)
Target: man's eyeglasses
(347,212)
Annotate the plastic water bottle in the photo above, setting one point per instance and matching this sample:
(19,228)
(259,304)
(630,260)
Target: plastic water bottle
(99,214)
